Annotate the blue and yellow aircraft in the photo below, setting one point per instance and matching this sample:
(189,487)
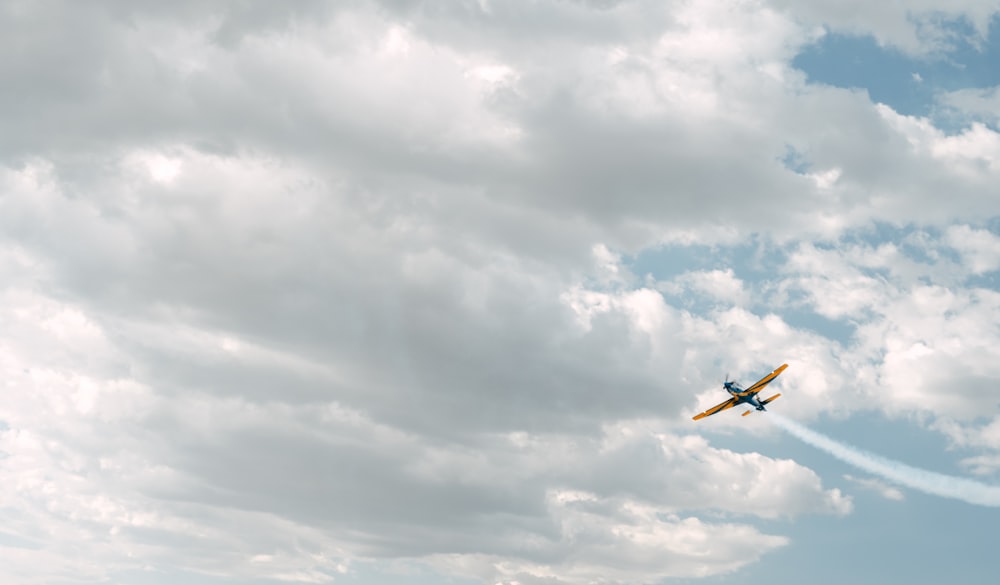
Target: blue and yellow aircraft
(744,396)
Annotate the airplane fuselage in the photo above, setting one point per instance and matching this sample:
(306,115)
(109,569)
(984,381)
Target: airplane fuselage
(742,397)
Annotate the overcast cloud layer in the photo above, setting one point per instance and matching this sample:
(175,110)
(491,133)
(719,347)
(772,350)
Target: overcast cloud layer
(289,288)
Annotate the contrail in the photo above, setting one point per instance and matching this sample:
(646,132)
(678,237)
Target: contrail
(929,482)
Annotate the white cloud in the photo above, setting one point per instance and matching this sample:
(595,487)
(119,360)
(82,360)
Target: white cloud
(144,459)
(878,486)
(923,338)
(938,351)
(826,179)
(977,102)
(918,27)
(163,169)
(972,153)
(983,464)
(980,249)
(832,285)
(352,278)
(654,547)
(721,285)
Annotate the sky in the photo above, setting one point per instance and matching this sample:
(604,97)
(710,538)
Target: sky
(398,292)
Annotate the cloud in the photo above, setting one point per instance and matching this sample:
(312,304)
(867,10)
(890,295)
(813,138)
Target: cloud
(655,547)
(979,248)
(293,287)
(981,103)
(919,314)
(833,286)
(165,420)
(877,486)
(142,466)
(720,285)
(919,28)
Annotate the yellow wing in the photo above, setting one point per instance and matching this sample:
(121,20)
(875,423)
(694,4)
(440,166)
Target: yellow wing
(764,381)
(717,408)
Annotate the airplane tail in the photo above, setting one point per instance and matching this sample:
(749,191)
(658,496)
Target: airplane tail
(762,403)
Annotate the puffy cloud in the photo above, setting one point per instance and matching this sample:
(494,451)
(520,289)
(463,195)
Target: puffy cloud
(166,420)
(135,426)
(937,351)
(980,249)
(922,330)
(833,286)
(287,287)
(720,285)
(135,467)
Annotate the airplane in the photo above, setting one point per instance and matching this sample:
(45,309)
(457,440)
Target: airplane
(744,396)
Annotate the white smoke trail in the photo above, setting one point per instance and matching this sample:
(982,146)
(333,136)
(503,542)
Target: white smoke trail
(929,482)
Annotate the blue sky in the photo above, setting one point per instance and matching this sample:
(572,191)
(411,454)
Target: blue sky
(414,293)
(907,83)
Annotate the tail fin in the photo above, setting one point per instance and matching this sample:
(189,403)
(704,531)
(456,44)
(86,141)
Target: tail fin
(770,399)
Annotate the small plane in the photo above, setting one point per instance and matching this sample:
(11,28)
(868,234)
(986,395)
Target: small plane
(744,396)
